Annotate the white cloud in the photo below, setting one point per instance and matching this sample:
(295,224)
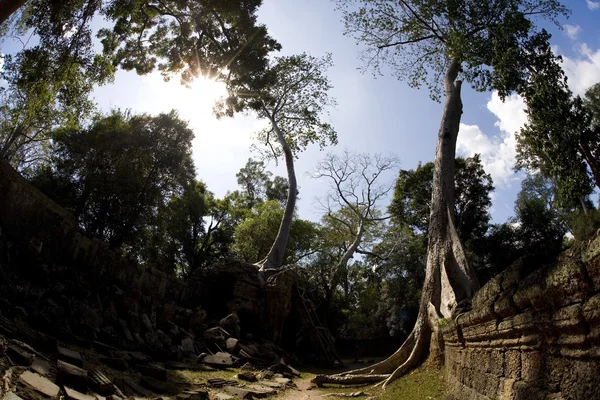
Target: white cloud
(572,31)
(498,151)
(593,5)
(584,71)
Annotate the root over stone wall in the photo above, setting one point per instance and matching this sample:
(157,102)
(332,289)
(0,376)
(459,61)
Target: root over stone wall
(530,336)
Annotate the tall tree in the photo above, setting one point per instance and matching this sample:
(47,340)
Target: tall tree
(293,98)
(492,44)
(121,169)
(356,191)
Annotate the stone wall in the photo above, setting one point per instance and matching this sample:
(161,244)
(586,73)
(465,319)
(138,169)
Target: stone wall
(530,335)
(49,254)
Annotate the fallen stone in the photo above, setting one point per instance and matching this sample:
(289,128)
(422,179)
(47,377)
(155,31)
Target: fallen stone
(103,347)
(19,356)
(100,383)
(71,356)
(232,344)
(39,384)
(247,376)
(219,383)
(125,329)
(284,369)
(42,367)
(187,346)
(219,360)
(231,323)
(96,396)
(73,394)
(283,381)
(193,395)
(260,391)
(116,363)
(238,392)
(152,371)
(137,389)
(247,367)
(222,396)
(71,375)
(154,384)
(11,396)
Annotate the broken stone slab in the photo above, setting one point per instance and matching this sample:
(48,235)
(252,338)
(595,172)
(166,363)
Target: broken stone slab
(39,384)
(71,356)
(219,360)
(222,396)
(247,376)
(115,362)
(11,396)
(152,371)
(283,381)
(260,391)
(19,356)
(130,387)
(100,383)
(232,344)
(71,375)
(154,384)
(218,383)
(193,395)
(238,392)
(103,347)
(284,369)
(73,394)
(41,367)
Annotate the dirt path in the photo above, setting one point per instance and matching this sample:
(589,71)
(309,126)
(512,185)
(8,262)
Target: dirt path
(304,391)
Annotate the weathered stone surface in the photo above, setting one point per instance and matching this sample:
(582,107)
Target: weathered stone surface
(11,396)
(218,360)
(19,356)
(193,395)
(73,394)
(100,383)
(247,376)
(39,384)
(41,367)
(71,375)
(240,393)
(71,356)
(532,337)
(232,344)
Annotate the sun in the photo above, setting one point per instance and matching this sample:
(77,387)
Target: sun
(194,102)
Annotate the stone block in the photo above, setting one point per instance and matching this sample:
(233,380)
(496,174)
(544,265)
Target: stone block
(71,356)
(41,366)
(73,394)
(39,384)
(193,395)
(71,375)
(512,364)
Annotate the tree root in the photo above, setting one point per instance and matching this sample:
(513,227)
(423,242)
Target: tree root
(406,358)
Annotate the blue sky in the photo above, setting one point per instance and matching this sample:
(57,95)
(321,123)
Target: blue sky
(381,115)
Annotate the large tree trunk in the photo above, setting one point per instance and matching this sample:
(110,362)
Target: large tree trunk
(8,8)
(449,277)
(274,258)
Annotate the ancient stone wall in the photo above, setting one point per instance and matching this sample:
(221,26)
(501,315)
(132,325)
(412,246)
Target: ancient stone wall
(107,296)
(530,335)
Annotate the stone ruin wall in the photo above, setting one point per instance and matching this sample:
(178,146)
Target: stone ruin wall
(47,242)
(530,336)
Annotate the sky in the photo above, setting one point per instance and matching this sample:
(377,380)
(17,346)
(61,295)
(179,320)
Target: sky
(373,114)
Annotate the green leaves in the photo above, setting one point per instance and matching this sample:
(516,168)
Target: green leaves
(494,40)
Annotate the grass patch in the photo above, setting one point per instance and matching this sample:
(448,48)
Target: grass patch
(424,383)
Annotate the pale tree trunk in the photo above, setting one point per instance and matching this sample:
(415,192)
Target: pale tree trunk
(9,7)
(274,258)
(448,277)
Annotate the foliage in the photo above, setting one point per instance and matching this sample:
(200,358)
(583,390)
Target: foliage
(412,198)
(495,41)
(254,235)
(219,39)
(120,170)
